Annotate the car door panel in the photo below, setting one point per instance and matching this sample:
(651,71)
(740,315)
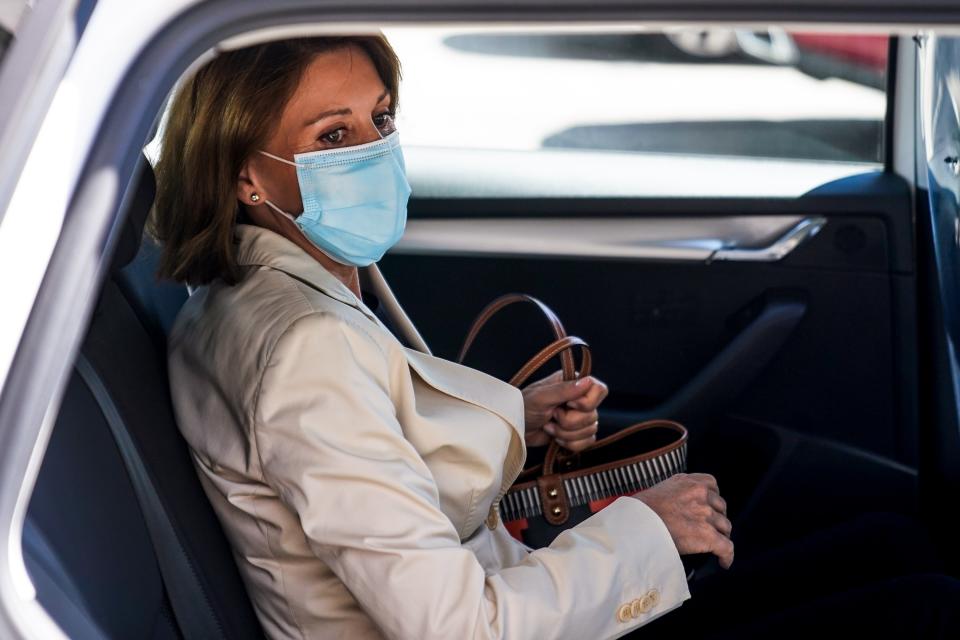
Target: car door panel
(673,336)
(796,377)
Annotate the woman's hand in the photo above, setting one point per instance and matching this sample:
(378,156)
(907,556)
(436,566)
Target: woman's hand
(565,410)
(694,513)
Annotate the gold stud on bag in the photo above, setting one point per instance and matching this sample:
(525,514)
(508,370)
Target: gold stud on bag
(569,487)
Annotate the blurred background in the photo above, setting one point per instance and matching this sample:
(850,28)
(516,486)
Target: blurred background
(719,92)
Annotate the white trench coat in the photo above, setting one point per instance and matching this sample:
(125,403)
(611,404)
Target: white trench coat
(356,478)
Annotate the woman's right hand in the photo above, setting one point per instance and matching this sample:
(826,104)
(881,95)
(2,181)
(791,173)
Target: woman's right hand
(694,513)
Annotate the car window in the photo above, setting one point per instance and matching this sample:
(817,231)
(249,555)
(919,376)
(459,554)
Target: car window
(11,11)
(703,106)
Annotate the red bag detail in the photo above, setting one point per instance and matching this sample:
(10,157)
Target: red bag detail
(516,527)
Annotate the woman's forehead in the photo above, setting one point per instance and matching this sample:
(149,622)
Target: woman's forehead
(343,78)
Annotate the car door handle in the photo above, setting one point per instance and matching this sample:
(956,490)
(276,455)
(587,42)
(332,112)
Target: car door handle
(779,248)
(762,238)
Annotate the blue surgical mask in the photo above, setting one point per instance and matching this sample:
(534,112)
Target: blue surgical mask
(354,199)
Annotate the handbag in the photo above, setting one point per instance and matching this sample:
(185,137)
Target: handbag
(569,487)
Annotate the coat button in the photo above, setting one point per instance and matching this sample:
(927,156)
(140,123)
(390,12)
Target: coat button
(623,613)
(646,604)
(493,518)
(654,596)
(636,608)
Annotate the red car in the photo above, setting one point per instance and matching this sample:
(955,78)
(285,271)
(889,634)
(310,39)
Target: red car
(855,57)
(866,51)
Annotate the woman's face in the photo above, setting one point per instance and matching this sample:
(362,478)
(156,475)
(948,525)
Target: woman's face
(340,102)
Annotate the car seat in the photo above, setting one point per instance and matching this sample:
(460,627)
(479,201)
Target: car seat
(119,538)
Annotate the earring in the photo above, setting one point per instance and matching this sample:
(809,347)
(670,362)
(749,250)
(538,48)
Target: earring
(255,198)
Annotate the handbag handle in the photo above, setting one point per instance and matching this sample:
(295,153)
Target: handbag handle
(498,304)
(562,346)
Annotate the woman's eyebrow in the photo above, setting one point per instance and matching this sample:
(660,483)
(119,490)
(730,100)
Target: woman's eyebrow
(340,112)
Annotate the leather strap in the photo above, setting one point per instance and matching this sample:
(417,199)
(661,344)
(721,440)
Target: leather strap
(553,498)
(559,347)
(548,479)
(556,508)
(566,360)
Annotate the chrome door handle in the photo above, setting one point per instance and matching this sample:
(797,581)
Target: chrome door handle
(778,249)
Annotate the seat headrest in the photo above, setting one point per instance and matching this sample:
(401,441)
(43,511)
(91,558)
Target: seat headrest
(134,209)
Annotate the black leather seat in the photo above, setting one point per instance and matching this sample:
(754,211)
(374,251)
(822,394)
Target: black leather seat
(88,548)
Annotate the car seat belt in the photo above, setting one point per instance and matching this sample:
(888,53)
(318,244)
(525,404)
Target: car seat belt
(373,280)
(191,608)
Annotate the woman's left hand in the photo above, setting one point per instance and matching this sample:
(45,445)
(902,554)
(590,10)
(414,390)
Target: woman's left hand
(565,410)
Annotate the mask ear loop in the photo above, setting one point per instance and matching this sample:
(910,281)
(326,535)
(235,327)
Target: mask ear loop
(279,210)
(284,160)
(294,221)
(267,201)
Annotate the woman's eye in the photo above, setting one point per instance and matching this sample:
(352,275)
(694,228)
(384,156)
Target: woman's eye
(334,137)
(384,121)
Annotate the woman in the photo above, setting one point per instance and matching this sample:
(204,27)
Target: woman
(357,479)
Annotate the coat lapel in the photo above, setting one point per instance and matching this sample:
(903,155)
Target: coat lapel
(261,247)
(470,386)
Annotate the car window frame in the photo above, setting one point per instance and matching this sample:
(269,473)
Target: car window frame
(30,72)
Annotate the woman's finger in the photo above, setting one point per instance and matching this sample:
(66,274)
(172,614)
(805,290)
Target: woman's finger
(591,400)
(716,501)
(721,524)
(722,547)
(555,394)
(706,479)
(570,435)
(577,445)
(569,420)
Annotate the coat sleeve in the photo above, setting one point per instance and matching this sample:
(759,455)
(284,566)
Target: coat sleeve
(330,444)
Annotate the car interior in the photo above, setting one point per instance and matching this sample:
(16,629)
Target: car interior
(798,378)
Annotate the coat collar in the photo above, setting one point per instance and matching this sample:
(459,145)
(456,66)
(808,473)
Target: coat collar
(257,246)
(261,247)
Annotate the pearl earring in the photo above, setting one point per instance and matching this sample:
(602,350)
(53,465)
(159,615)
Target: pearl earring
(255,198)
